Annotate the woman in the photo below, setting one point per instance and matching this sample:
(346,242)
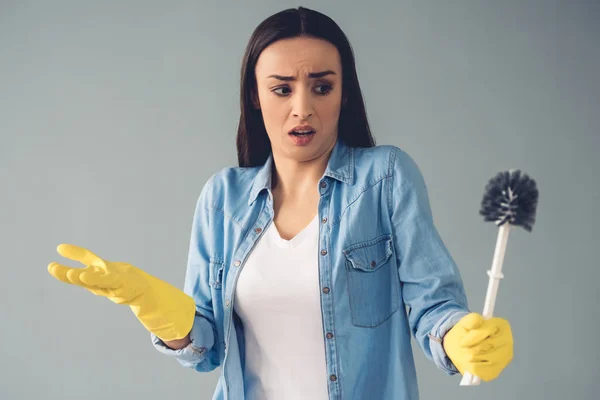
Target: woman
(303,259)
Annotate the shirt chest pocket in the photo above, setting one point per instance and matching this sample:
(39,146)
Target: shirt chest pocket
(372,281)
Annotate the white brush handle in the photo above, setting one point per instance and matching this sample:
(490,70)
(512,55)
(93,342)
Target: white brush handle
(495,275)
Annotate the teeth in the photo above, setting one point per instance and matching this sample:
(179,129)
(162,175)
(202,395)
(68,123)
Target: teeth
(303,132)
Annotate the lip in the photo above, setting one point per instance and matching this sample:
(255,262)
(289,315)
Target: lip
(302,128)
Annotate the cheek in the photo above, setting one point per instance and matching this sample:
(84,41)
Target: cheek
(273,112)
(330,112)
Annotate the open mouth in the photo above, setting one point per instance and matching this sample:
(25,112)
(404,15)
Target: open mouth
(302,133)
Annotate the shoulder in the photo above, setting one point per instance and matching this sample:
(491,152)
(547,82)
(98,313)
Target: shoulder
(386,160)
(230,183)
(233,177)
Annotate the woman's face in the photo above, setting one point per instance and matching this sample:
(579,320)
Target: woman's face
(299,82)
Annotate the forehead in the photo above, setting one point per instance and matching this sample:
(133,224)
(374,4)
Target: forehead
(298,56)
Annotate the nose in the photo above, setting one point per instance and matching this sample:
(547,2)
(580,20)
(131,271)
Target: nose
(302,105)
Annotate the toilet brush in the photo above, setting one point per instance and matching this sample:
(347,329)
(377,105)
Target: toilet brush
(510,199)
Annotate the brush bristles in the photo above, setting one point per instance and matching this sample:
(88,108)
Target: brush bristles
(510,197)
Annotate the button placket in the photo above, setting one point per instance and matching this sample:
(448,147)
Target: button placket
(238,263)
(325,273)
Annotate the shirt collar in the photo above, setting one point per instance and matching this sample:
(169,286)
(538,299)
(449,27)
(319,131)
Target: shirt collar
(340,167)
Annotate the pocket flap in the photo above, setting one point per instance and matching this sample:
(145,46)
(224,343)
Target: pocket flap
(369,256)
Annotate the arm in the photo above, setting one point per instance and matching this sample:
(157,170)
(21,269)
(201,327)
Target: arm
(198,348)
(432,287)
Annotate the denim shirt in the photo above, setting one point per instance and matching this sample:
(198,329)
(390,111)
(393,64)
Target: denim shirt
(384,273)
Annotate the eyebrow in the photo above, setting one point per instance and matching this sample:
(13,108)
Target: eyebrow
(312,75)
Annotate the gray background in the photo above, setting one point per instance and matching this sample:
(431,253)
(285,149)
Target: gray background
(113,115)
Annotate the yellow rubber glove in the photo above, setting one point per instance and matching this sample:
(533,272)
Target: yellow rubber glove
(482,347)
(162,308)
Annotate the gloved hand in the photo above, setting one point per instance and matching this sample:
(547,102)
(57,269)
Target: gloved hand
(162,308)
(482,347)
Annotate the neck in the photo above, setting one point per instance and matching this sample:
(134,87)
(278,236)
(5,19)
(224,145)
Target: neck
(294,179)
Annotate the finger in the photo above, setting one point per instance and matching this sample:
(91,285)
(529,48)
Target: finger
(502,325)
(472,321)
(488,347)
(99,292)
(59,272)
(483,370)
(80,254)
(478,359)
(100,279)
(73,275)
(499,357)
(489,369)
(477,336)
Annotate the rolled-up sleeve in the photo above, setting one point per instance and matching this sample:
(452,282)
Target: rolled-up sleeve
(202,340)
(436,340)
(432,286)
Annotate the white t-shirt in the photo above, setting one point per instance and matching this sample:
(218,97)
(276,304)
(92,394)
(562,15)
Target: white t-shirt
(278,301)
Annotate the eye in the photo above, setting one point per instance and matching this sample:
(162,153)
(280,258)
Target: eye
(325,89)
(319,89)
(281,88)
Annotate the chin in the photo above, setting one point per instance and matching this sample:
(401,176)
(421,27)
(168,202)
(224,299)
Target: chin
(310,151)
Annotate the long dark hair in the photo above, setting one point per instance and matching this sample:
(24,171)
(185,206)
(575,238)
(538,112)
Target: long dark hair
(253,144)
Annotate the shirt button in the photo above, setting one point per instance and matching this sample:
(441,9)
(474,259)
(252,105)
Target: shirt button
(237,263)
(329,335)
(258,230)
(325,290)
(373,264)
(227,303)
(324,220)
(333,378)
(323,252)
(323,184)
